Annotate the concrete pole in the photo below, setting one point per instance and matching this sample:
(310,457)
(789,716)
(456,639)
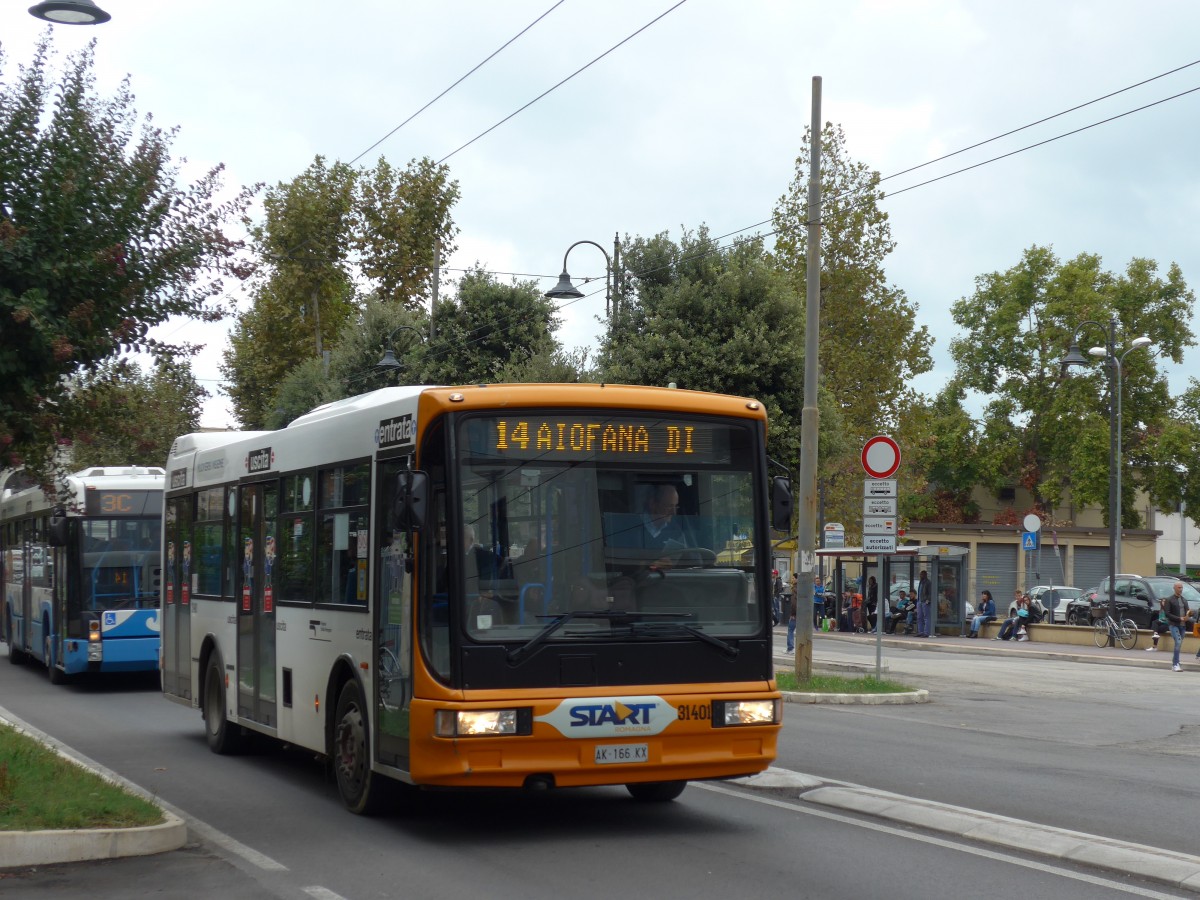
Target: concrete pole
(1182,537)
(806,537)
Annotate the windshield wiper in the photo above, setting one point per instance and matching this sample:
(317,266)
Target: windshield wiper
(668,627)
(620,617)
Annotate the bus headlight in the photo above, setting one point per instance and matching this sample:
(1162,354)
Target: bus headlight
(93,630)
(747,712)
(477,722)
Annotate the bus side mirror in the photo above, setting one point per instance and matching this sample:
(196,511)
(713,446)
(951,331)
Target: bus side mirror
(412,499)
(58,529)
(781,503)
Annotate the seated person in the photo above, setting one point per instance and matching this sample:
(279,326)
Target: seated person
(902,612)
(657,530)
(985,612)
(1014,625)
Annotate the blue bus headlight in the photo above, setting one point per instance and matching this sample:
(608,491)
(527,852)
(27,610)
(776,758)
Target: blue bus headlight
(476,722)
(731,713)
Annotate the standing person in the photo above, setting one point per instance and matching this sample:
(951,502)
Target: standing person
(1178,615)
(791,617)
(818,599)
(924,597)
(777,597)
(985,612)
(872,599)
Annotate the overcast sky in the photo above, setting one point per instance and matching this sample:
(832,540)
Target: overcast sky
(696,120)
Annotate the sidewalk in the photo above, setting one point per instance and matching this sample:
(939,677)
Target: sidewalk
(1083,653)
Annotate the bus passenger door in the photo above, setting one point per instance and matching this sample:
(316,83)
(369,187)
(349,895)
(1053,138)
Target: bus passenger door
(393,630)
(176,625)
(258,506)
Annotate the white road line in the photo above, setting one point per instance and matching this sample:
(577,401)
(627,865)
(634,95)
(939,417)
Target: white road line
(801,807)
(320,893)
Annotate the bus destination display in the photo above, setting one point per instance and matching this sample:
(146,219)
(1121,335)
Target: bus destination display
(123,503)
(538,437)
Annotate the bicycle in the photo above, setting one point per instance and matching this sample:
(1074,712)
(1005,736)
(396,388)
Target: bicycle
(1122,634)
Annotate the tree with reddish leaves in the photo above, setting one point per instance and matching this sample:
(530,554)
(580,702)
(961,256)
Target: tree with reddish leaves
(98,244)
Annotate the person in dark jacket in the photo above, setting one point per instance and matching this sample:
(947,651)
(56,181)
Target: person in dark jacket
(1179,616)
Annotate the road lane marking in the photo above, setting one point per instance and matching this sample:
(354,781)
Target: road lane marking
(801,807)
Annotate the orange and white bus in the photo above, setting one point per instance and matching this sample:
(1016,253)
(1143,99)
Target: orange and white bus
(482,586)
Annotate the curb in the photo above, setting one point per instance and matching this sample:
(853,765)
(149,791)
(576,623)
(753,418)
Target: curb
(42,848)
(1178,870)
(898,699)
(1025,650)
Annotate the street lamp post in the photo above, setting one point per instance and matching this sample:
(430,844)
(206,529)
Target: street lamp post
(565,290)
(388,363)
(69,12)
(1136,344)
(1109,352)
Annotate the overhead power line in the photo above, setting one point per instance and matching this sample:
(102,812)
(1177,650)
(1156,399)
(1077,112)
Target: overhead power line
(561,83)
(477,67)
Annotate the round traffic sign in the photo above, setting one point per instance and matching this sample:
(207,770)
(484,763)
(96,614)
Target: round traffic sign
(1032,522)
(881,457)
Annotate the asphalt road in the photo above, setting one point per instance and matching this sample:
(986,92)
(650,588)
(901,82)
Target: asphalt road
(269,824)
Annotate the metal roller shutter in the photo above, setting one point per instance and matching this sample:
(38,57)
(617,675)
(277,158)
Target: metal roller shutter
(996,570)
(1091,566)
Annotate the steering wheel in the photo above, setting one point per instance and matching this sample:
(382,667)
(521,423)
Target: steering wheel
(696,558)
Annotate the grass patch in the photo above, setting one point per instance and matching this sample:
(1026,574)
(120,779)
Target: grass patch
(836,684)
(41,790)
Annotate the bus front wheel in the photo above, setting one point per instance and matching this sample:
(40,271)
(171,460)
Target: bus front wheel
(223,736)
(57,675)
(656,791)
(361,789)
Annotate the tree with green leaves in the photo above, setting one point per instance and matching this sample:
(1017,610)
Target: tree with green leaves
(485,327)
(1048,430)
(119,415)
(709,318)
(98,243)
(404,227)
(330,237)
(870,346)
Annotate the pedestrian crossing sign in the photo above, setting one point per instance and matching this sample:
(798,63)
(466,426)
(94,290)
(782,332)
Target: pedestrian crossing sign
(1029,540)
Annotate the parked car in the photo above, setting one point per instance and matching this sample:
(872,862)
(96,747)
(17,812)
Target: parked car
(1053,599)
(1079,610)
(1138,596)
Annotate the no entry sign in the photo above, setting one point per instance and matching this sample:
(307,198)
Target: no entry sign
(881,457)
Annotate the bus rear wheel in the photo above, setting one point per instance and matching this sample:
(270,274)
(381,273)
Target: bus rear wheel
(362,791)
(656,791)
(15,656)
(223,736)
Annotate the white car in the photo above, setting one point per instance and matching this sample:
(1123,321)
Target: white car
(1047,597)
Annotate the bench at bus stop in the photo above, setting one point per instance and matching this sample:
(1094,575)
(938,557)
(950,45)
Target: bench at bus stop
(1082,635)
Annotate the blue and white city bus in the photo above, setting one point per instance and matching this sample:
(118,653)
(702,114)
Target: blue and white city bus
(81,571)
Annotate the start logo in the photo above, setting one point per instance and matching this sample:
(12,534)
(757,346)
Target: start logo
(590,717)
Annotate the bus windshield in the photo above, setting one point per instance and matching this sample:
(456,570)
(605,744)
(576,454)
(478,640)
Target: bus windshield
(120,563)
(618,527)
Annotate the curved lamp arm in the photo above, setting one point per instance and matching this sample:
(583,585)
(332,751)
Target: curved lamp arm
(565,290)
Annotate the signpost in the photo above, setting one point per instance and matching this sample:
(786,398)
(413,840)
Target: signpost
(880,460)
(835,535)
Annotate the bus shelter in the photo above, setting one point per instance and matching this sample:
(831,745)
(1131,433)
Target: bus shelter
(850,568)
